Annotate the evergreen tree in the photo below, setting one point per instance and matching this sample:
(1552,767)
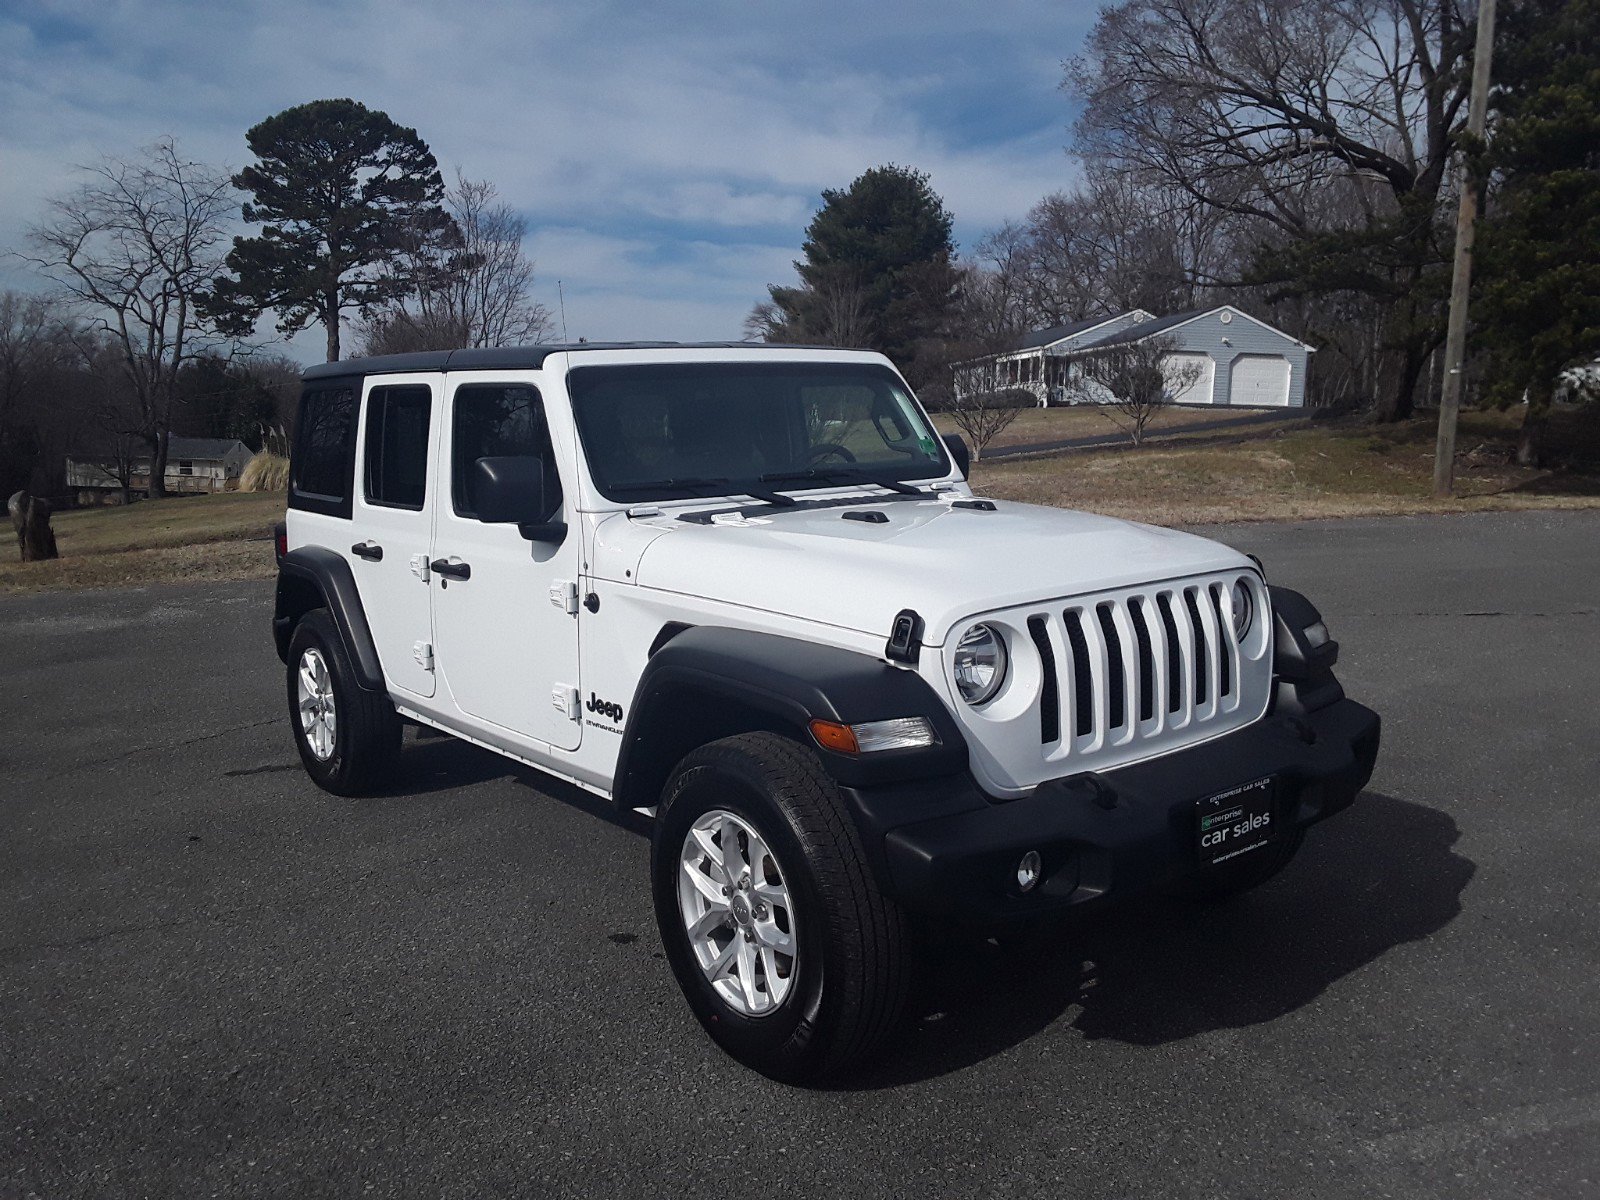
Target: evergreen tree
(877,272)
(338,190)
(1539,262)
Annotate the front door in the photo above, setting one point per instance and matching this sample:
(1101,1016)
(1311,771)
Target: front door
(393,514)
(505,608)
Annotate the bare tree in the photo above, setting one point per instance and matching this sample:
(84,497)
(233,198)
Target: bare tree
(1140,378)
(982,403)
(136,246)
(34,351)
(471,289)
(1258,108)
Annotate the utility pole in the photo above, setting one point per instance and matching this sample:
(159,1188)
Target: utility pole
(1444,455)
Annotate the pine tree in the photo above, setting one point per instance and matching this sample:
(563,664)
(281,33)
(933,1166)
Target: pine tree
(338,190)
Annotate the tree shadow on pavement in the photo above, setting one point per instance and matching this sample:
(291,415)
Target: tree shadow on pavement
(1164,969)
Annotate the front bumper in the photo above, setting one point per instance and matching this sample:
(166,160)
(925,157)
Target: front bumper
(1124,831)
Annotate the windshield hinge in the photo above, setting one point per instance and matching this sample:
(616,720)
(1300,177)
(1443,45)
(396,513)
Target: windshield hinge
(564,595)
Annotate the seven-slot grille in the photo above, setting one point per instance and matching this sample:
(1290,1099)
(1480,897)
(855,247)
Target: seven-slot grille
(1135,666)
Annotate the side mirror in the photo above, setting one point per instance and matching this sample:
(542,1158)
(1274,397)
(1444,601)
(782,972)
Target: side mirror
(958,451)
(516,491)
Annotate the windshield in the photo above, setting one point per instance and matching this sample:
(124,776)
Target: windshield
(673,431)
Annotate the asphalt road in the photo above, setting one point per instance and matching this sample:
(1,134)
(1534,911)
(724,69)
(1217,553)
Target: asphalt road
(216,980)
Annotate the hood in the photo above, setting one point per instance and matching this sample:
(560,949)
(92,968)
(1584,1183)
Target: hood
(947,563)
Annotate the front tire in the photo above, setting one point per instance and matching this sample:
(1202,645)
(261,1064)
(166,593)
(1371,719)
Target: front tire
(348,737)
(787,952)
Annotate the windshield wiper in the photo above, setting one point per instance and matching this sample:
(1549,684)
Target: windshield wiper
(700,484)
(847,476)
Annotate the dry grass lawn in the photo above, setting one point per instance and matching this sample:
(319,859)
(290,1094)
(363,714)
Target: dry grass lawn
(1301,469)
(196,538)
(1310,471)
(1038,425)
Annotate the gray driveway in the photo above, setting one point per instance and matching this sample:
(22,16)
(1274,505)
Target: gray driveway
(215,979)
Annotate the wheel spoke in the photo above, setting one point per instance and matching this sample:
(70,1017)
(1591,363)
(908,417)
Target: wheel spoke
(774,938)
(713,853)
(747,973)
(713,920)
(308,682)
(732,857)
(704,884)
(727,959)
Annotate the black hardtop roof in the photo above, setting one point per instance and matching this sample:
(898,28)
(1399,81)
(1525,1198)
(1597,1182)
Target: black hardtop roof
(519,358)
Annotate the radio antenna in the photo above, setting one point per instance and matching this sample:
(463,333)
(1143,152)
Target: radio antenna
(562,296)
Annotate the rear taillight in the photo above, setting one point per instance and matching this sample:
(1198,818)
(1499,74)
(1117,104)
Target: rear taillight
(280,540)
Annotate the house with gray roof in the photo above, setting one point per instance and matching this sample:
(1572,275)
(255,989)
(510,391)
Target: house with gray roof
(193,465)
(1243,362)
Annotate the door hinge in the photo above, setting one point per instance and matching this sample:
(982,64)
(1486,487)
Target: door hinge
(419,566)
(564,595)
(564,699)
(423,653)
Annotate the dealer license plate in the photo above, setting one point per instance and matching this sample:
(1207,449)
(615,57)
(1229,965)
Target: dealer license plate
(1232,824)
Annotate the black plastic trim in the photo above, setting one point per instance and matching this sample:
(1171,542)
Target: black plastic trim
(787,683)
(330,576)
(905,637)
(951,849)
(1293,657)
(959,453)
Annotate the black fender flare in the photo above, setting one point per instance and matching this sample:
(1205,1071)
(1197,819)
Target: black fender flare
(1302,672)
(316,571)
(716,681)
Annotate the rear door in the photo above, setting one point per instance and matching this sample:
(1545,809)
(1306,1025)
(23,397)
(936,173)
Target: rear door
(505,608)
(393,523)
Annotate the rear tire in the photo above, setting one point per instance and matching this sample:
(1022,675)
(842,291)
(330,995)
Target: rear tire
(348,737)
(832,1000)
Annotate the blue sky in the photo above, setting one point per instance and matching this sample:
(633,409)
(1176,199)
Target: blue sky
(667,157)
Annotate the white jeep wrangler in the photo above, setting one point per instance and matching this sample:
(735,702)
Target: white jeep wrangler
(746,591)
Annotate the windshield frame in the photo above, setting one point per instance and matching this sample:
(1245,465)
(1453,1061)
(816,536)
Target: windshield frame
(630,494)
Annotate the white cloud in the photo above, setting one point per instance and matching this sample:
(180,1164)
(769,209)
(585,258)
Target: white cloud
(667,161)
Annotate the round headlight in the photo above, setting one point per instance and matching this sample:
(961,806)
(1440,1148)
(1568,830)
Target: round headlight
(980,664)
(1244,609)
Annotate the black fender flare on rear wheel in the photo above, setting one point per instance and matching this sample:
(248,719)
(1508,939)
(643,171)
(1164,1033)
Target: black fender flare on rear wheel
(313,577)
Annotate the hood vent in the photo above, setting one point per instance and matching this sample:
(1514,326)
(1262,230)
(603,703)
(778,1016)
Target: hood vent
(870,516)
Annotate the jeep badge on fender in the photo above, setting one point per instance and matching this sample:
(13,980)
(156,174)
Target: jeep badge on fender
(605,708)
(856,695)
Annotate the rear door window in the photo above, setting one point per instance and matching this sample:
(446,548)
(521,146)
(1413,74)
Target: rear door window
(396,451)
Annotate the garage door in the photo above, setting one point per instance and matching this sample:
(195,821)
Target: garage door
(1260,381)
(1202,368)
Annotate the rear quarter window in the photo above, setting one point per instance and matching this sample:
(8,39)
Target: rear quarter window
(323,467)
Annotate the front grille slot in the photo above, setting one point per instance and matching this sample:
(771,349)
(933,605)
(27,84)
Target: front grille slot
(1082,682)
(1050,696)
(1202,652)
(1174,653)
(1147,660)
(1225,659)
(1117,685)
